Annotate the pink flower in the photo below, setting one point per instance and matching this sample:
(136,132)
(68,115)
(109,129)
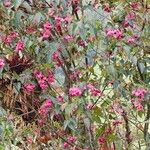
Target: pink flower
(29,87)
(47,104)
(68,19)
(43,84)
(89,106)
(2,63)
(82,43)
(55,56)
(109,32)
(57,59)
(47,26)
(68,38)
(131,40)
(75,75)
(140,92)
(139,107)
(116,33)
(30,30)
(60,99)
(130,16)
(46,34)
(41,122)
(72,139)
(14,35)
(8,40)
(38,74)
(75,91)
(118,109)
(96,92)
(19,46)
(90,86)
(45,108)
(7,3)
(135,5)
(66,145)
(30,139)
(117,122)
(50,79)
(107,9)
(102,140)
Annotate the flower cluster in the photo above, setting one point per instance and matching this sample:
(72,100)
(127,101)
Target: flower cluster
(29,87)
(45,108)
(139,95)
(75,91)
(2,63)
(115,33)
(19,46)
(70,139)
(43,81)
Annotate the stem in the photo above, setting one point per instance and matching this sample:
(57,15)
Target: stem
(128,131)
(146,126)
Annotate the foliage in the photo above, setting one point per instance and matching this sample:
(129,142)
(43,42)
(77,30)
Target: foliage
(74,74)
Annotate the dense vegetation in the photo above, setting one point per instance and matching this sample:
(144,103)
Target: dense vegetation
(75,74)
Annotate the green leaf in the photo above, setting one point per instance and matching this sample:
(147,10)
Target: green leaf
(2,147)
(17,3)
(111,69)
(141,67)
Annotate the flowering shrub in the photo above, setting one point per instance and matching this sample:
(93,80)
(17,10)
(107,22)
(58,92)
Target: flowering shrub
(76,72)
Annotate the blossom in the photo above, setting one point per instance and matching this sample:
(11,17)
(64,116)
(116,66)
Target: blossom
(118,34)
(14,34)
(72,139)
(30,139)
(115,33)
(96,92)
(46,34)
(131,40)
(42,80)
(2,63)
(47,104)
(135,5)
(139,107)
(130,16)
(140,92)
(102,140)
(50,78)
(43,84)
(45,108)
(66,145)
(75,91)
(117,122)
(55,56)
(19,46)
(82,43)
(75,74)
(60,98)
(89,105)
(68,38)
(7,3)
(7,40)
(38,74)
(30,30)
(47,26)
(29,87)
(107,8)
